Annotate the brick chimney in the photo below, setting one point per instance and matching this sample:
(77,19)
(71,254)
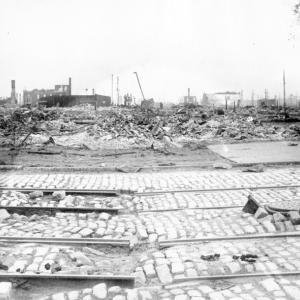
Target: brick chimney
(13,98)
(70,86)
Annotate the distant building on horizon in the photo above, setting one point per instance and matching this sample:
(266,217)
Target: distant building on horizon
(32,97)
(72,100)
(222,98)
(267,102)
(189,99)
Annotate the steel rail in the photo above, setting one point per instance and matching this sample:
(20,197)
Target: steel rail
(121,191)
(232,276)
(170,243)
(60,208)
(67,276)
(218,189)
(73,241)
(188,208)
(211,208)
(69,191)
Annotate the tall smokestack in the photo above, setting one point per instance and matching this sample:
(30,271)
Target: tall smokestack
(70,86)
(13,92)
(188,93)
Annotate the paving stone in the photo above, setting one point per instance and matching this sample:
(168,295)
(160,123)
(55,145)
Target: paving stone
(4,214)
(164,274)
(292,291)
(58,195)
(295,217)
(216,296)
(132,294)
(100,291)
(73,295)
(177,268)
(278,217)
(86,232)
(288,225)
(5,290)
(270,285)
(149,270)
(181,297)
(260,213)
(119,297)
(234,267)
(59,296)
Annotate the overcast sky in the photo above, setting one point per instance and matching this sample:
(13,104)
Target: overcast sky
(207,45)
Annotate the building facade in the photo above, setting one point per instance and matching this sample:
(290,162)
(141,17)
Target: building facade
(222,99)
(72,100)
(33,97)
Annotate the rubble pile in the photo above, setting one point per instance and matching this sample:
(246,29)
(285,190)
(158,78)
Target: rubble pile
(126,128)
(15,124)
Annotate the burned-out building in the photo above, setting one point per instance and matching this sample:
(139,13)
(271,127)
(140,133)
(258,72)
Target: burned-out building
(32,97)
(189,99)
(222,98)
(13,99)
(266,102)
(72,100)
(147,104)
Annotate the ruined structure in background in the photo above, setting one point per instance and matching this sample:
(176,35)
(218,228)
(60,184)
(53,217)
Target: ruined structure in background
(11,101)
(267,102)
(72,100)
(32,97)
(147,104)
(189,99)
(13,97)
(222,99)
(128,100)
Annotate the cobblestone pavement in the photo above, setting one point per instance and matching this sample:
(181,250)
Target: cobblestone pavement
(147,182)
(219,258)
(162,201)
(210,223)
(45,259)
(264,289)
(144,226)
(157,272)
(212,199)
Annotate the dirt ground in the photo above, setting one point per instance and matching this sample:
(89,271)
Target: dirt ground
(147,158)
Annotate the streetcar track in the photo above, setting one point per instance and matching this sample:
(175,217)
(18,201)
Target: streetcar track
(118,192)
(127,278)
(112,193)
(66,241)
(78,209)
(171,243)
(128,243)
(217,189)
(233,276)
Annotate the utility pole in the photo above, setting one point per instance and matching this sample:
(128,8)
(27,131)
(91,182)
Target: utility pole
(266,94)
(252,98)
(118,95)
(112,88)
(284,104)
